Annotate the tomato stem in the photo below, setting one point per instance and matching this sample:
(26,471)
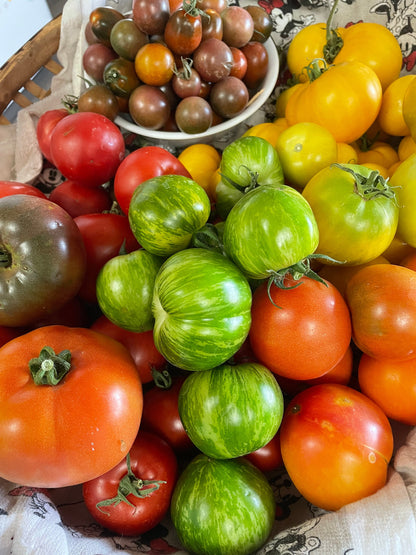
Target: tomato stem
(334,42)
(208,237)
(162,379)
(5,258)
(369,186)
(190,7)
(50,368)
(130,484)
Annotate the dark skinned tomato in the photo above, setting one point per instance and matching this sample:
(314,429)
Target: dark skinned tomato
(151,16)
(140,165)
(268,457)
(90,37)
(133,497)
(6,334)
(213,60)
(120,77)
(103,235)
(217,5)
(240,63)
(75,313)
(193,115)
(42,259)
(140,345)
(100,99)
(149,107)
(186,82)
(257,63)
(96,145)
(161,415)
(263,24)
(8,188)
(238,26)
(229,97)
(183,31)
(102,20)
(211,25)
(77,199)
(95,58)
(126,38)
(45,126)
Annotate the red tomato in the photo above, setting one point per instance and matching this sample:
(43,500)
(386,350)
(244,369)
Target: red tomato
(8,188)
(140,345)
(257,63)
(183,31)
(391,384)
(307,336)
(46,124)
(87,147)
(239,67)
(104,235)
(336,445)
(161,416)
(68,427)
(131,500)
(77,199)
(382,302)
(269,457)
(140,165)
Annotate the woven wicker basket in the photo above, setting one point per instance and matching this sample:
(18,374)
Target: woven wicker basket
(23,76)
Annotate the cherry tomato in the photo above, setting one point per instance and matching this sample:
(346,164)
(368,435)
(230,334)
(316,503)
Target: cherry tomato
(120,77)
(229,97)
(390,117)
(193,114)
(238,26)
(213,60)
(154,64)
(149,107)
(239,67)
(102,20)
(100,99)
(151,16)
(126,39)
(183,31)
(257,63)
(211,25)
(95,58)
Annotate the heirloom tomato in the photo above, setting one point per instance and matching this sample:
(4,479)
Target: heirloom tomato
(42,259)
(134,496)
(120,77)
(140,165)
(267,130)
(336,445)
(406,147)
(344,98)
(231,410)
(71,403)
(183,30)
(8,188)
(380,153)
(154,64)
(201,306)
(384,324)
(356,211)
(268,457)
(390,117)
(202,162)
(300,331)
(77,199)
(125,289)
(403,181)
(102,20)
(270,228)
(409,111)
(45,126)
(126,38)
(222,506)
(151,16)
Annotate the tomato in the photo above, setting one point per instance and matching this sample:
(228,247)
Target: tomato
(99,98)
(397,250)
(140,345)
(135,495)
(186,81)
(346,154)
(267,130)
(403,181)
(336,445)
(74,313)
(384,326)
(222,506)
(279,219)
(149,107)
(46,124)
(238,26)
(268,457)
(102,20)
(201,305)
(125,289)
(263,24)
(8,188)
(151,16)
(257,63)
(379,152)
(126,38)
(304,149)
(194,114)
(356,211)
(406,147)
(211,24)
(409,260)
(300,332)
(213,60)
(154,64)
(140,165)
(42,262)
(95,144)
(120,77)
(95,58)
(104,235)
(306,46)
(408,108)
(77,199)
(231,410)
(390,117)
(183,30)
(161,416)
(344,98)
(6,334)
(283,98)
(392,385)
(91,381)
(202,161)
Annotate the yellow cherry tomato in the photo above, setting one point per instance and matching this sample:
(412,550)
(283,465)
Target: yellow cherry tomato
(202,161)
(409,108)
(390,117)
(268,131)
(380,153)
(283,98)
(407,146)
(346,154)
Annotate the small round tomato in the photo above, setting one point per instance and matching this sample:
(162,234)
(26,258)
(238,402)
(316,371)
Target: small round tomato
(336,445)
(201,161)
(120,77)
(390,117)
(45,126)
(257,63)
(183,30)
(380,152)
(346,154)
(154,64)
(407,146)
(99,98)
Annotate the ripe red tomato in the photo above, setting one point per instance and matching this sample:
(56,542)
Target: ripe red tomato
(132,499)
(307,336)
(70,414)
(8,188)
(382,302)
(46,124)
(140,345)
(77,199)
(336,445)
(268,457)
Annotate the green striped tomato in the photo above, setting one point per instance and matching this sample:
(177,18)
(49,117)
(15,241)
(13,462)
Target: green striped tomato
(202,309)
(270,228)
(125,289)
(165,211)
(230,411)
(222,507)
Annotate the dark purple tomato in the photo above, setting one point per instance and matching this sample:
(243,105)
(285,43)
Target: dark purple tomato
(217,5)
(151,16)
(127,39)
(149,107)
(211,25)
(238,26)
(257,63)
(99,99)
(229,97)
(240,63)
(96,56)
(193,115)
(263,24)
(90,37)
(186,82)
(121,77)
(213,60)
(102,20)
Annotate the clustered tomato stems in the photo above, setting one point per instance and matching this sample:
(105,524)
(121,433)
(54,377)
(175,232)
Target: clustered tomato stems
(185,71)
(50,368)
(253,179)
(130,484)
(369,187)
(191,8)
(334,42)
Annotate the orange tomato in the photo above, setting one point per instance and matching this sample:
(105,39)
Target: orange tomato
(409,107)
(268,131)
(154,64)
(202,162)
(380,153)
(346,154)
(390,117)
(407,146)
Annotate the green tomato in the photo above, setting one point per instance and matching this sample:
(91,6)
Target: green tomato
(230,411)
(202,309)
(165,211)
(356,211)
(269,229)
(125,289)
(403,182)
(222,507)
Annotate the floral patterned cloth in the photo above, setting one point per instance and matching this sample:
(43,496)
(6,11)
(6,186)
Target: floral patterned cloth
(55,522)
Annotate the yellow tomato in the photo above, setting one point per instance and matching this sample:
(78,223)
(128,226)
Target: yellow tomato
(409,108)
(380,153)
(307,45)
(397,250)
(346,154)
(393,168)
(283,98)
(268,131)
(202,161)
(404,180)
(390,117)
(407,146)
(382,170)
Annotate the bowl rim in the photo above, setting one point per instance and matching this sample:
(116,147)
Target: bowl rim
(257,100)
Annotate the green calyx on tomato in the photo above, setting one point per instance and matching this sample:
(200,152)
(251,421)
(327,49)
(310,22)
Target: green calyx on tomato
(50,368)
(334,41)
(368,183)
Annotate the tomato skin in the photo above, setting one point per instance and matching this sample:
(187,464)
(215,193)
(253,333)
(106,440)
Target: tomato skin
(151,458)
(336,445)
(46,124)
(304,338)
(77,199)
(8,188)
(140,165)
(183,32)
(390,117)
(404,181)
(268,457)
(39,449)
(154,64)
(382,302)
